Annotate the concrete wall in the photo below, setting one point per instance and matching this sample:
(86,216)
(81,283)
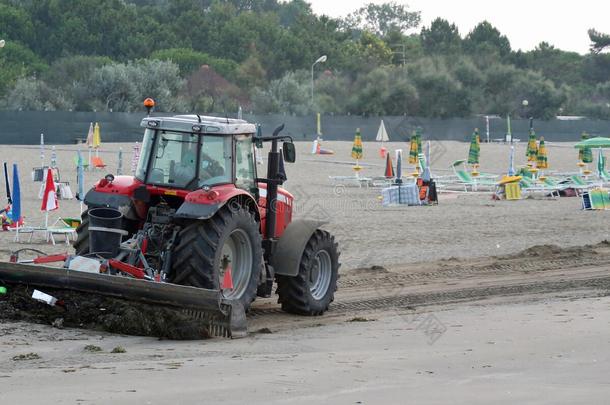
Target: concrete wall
(24,127)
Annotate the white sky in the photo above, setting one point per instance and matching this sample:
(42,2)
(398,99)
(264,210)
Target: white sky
(526,23)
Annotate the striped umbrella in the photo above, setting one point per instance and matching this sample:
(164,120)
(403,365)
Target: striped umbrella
(413,149)
(532,150)
(585,155)
(357,146)
(541,156)
(475,148)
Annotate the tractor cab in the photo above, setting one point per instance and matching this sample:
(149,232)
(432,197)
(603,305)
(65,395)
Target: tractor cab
(191,152)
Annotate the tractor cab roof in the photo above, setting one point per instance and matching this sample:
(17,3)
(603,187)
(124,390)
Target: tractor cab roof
(201,124)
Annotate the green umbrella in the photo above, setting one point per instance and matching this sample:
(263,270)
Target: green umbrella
(601,163)
(584,154)
(541,156)
(532,149)
(598,142)
(475,148)
(418,137)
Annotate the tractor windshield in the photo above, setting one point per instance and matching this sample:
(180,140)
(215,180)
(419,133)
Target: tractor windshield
(178,159)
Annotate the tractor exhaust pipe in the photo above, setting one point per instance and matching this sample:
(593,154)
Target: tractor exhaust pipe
(273,168)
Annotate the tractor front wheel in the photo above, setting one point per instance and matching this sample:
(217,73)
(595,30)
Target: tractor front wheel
(206,250)
(312,290)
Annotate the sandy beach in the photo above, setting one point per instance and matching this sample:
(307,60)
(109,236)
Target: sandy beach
(474,299)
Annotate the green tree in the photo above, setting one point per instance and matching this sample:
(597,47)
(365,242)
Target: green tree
(599,41)
(486,39)
(382,19)
(441,38)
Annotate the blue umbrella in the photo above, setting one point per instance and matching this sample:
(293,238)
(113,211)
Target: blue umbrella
(80,177)
(16,207)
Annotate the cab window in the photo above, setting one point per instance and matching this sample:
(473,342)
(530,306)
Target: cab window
(244,162)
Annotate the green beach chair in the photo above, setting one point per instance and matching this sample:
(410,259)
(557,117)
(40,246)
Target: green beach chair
(598,199)
(530,187)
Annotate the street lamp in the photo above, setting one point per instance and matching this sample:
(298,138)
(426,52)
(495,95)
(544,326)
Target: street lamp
(321,59)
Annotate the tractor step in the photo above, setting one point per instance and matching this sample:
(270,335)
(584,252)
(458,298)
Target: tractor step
(221,317)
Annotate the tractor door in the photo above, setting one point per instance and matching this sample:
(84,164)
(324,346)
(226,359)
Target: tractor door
(245,167)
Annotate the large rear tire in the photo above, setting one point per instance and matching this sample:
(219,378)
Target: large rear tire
(204,248)
(81,244)
(312,290)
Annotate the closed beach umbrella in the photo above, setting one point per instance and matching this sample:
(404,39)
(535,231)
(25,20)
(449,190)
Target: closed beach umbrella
(427,174)
(585,154)
(541,157)
(80,180)
(16,206)
(41,149)
(532,150)
(475,148)
(6,184)
(97,138)
(90,142)
(357,146)
(418,137)
(119,169)
(601,163)
(398,166)
(53,157)
(413,150)
(389,168)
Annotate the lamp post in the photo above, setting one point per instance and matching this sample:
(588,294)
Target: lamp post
(321,59)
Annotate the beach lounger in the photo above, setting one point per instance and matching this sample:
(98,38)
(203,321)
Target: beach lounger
(351,180)
(97,162)
(530,188)
(596,199)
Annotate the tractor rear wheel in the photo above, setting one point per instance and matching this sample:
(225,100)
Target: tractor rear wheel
(312,290)
(206,249)
(81,244)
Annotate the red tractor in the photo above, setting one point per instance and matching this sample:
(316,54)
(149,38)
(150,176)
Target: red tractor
(197,214)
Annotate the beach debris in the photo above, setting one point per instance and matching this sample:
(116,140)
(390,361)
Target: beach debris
(44,298)
(27,356)
(119,349)
(92,349)
(360,319)
(58,323)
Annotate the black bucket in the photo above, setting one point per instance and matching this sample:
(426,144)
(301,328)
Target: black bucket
(105,232)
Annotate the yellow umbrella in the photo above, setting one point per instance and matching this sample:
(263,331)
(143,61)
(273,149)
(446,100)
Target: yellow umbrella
(357,150)
(97,140)
(542,157)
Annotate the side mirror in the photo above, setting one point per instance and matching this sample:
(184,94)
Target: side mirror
(290,152)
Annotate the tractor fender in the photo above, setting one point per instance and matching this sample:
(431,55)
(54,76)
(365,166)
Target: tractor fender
(203,204)
(123,203)
(289,249)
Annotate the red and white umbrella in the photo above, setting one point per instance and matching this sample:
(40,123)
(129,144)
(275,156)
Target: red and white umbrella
(49,196)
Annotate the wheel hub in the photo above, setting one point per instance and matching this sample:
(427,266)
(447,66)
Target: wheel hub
(320,275)
(236,254)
